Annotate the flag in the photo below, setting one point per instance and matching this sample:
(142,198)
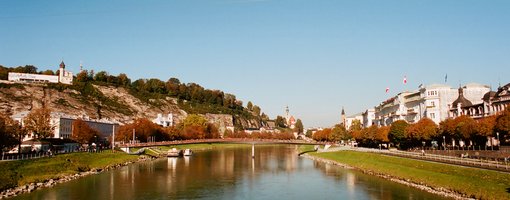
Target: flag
(445,78)
(387,89)
(405,80)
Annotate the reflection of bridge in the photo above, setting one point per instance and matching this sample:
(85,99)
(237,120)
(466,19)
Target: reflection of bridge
(227,140)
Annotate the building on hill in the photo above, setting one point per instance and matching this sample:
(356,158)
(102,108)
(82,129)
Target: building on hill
(289,119)
(63,125)
(64,76)
(164,121)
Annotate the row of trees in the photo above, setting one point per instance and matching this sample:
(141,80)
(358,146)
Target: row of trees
(405,135)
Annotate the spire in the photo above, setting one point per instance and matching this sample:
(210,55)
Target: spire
(343,112)
(62,65)
(287,112)
(81,66)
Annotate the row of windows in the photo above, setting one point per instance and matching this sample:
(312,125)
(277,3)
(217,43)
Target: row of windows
(432,93)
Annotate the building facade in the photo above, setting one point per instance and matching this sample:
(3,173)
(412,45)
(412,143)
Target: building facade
(64,76)
(63,125)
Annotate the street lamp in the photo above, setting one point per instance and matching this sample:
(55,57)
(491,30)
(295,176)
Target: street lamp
(444,142)
(499,142)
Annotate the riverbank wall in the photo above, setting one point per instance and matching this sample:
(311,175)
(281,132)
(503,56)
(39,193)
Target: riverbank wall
(30,187)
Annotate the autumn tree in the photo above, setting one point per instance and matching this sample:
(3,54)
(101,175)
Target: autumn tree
(298,127)
(466,127)
(503,123)
(38,123)
(382,134)
(486,128)
(447,129)
(322,135)
(11,133)
(143,129)
(396,134)
(83,133)
(421,131)
(355,129)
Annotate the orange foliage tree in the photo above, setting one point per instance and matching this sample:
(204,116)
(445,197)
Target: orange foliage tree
(421,131)
(83,133)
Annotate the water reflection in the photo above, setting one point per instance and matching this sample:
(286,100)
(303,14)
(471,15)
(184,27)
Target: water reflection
(231,173)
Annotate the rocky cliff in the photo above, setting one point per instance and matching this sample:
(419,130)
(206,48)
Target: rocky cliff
(112,103)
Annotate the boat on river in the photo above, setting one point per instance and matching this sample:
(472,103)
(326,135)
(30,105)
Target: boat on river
(188,152)
(174,153)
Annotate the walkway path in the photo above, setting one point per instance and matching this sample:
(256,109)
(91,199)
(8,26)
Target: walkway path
(477,163)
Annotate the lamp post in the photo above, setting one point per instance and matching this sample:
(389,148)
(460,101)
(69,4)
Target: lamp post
(444,142)
(499,142)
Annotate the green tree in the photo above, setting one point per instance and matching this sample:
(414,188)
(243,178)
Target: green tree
(396,135)
(298,127)
(195,120)
(101,76)
(280,122)
(38,123)
(48,72)
(249,106)
(339,133)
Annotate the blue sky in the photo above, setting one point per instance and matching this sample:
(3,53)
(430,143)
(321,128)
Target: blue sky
(313,55)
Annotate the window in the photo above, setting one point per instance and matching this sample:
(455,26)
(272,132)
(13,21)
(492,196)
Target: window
(432,115)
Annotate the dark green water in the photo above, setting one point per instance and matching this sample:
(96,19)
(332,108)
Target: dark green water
(230,173)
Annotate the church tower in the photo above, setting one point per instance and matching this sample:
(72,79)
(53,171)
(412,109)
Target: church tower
(65,77)
(343,120)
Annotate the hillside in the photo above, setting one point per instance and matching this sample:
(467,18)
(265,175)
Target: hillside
(111,102)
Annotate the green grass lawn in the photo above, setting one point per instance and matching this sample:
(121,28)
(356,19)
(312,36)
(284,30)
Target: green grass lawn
(477,183)
(15,173)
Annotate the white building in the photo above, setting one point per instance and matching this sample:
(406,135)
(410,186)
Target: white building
(391,110)
(350,119)
(368,117)
(63,125)
(64,76)
(432,101)
(164,121)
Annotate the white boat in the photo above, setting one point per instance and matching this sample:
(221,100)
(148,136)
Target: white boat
(188,152)
(174,153)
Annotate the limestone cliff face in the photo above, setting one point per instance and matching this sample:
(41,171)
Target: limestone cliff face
(117,104)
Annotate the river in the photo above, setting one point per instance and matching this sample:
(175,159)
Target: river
(276,172)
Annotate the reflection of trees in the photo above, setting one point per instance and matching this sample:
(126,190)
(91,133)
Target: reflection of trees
(374,187)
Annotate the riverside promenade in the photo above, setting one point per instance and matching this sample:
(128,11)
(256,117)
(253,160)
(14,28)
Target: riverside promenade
(503,166)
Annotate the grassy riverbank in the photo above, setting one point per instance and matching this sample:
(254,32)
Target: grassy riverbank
(16,173)
(477,183)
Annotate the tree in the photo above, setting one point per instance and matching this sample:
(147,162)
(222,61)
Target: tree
(82,76)
(382,134)
(299,126)
(38,123)
(423,130)
(195,120)
(355,129)
(396,134)
(123,80)
(503,123)
(249,106)
(83,133)
(466,127)
(48,72)
(486,128)
(256,110)
(280,122)
(11,133)
(339,133)
(101,76)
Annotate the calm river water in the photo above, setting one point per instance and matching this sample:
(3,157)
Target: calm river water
(276,172)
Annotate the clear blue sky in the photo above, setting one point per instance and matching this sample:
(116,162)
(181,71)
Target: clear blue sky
(313,55)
